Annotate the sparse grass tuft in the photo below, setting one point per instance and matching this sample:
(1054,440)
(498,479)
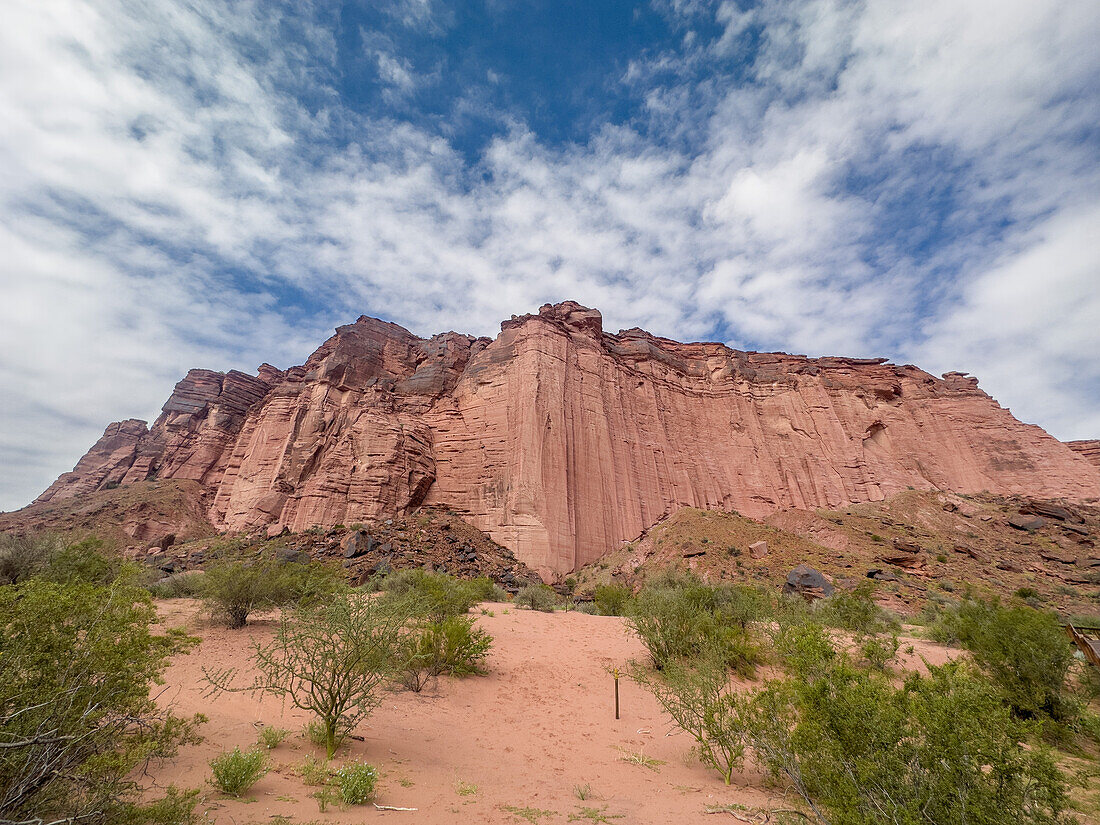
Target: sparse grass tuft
(528,814)
(465,788)
(639,758)
(593,815)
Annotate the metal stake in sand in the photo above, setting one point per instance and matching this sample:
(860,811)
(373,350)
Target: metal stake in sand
(615,672)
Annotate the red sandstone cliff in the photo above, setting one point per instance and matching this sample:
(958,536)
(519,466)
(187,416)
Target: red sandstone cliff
(562,441)
(1089,449)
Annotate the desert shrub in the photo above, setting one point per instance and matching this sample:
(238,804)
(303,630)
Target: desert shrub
(235,587)
(805,648)
(357,783)
(314,771)
(453,646)
(86,561)
(942,747)
(879,650)
(537,597)
(612,599)
(271,738)
(316,734)
(439,594)
(53,559)
(332,658)
(683,618)
(236,771)
(485,589)
(23,557)
(702,702)
(187,584)
(176,807)
(76,718)
(588,608)
(856,611)
(1026,654)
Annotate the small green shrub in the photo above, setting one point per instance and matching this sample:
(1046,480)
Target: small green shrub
(185,585)
(612,599)
(453,646)
(357,783)
(588,608)
(271,738)
(315,733)
(315,771)
(537,597)
(878,651)
(236,771)
(23,557)
(484,589)
(85,561)
(438,595)
(856,611)
(237,586)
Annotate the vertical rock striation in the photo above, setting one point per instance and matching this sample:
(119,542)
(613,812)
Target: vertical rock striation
(562,441)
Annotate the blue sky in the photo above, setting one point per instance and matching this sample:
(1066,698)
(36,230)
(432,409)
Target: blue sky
(219,184)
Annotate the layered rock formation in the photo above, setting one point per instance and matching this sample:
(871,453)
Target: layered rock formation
(1089,449)
(562,441)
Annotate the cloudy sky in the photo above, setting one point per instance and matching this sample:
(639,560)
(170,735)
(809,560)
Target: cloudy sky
(218,184)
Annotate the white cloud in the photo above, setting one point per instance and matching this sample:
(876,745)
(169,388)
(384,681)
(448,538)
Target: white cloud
(1030,323)
(159,190)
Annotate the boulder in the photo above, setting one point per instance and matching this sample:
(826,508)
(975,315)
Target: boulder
(807,582)
(291,555)
(357,544)
(1023,522)
(758,549)
(878,574)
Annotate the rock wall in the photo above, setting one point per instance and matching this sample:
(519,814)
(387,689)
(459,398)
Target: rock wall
(1089,449)
(562,441)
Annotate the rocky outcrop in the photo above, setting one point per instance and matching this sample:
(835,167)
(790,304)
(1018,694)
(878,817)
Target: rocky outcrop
(1089,449)
(562,441)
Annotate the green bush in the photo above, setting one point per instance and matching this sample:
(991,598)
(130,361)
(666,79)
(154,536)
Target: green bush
(440,595)
(453,646)
(76,718)
(23,557)
(52,559)
(856,611)
(612,599)
(236,771)
(681,618)
(271,738)
(357,783)
(484,589)
(185,585)
(1027,655)
(862,750)
(316,734)
(237,586)
(702,702)
(940,748)
(332,658)
(537,597)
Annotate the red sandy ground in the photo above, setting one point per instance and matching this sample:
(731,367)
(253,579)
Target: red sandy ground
(540,725)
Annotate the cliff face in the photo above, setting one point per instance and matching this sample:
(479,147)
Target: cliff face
(562,441)
(1089,449)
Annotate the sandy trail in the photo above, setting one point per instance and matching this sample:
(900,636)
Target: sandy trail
(539,726)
